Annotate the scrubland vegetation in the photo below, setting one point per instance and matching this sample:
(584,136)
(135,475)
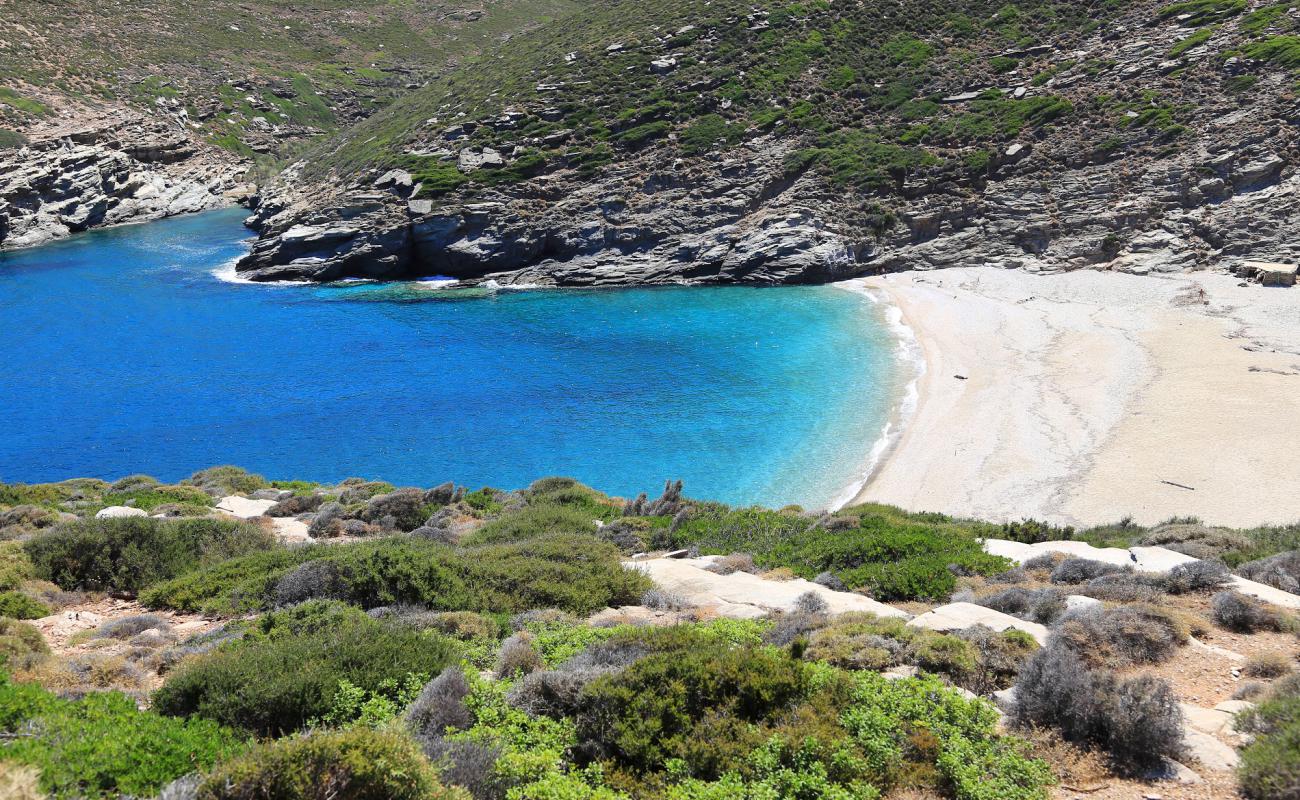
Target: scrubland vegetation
(434,644)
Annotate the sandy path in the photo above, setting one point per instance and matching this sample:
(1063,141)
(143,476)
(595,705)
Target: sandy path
(1080,393)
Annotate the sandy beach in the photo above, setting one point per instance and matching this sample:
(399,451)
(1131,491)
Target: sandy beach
(1086,397)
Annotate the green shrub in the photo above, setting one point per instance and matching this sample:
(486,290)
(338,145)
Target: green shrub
(643,134)
(574,572)
(1270,765)
(1195,40)
(126,554)
(19,640)
(701,135)
(12,139)
(149,498)
(274,682)
(534,521)
(102,745)
(17,605)
(354,763)
(226,480)
(891,554)
(900,720)
(653,710)
(15,566)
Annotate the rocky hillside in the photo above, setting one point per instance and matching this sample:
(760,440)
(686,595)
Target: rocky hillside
(132,109)
(724,141)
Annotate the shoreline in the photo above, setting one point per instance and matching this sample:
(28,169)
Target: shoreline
(912,369)
(1086,397)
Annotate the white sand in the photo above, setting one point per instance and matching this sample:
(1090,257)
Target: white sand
(1084,391)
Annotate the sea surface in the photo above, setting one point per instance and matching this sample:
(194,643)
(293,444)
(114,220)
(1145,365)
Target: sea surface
(122,351)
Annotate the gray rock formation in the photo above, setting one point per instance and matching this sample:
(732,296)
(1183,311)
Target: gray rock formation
(1157,167)
(124,168)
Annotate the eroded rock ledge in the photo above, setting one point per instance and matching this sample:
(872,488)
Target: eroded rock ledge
(1234,195)
(110,168)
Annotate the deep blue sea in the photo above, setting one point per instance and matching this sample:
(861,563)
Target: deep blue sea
(123,353)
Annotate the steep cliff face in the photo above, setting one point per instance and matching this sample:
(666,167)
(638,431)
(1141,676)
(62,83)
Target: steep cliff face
(725,142)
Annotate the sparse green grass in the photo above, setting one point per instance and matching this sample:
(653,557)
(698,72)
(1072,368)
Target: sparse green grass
(1283,51)
(26,105)
(1203,12)
(1195,40)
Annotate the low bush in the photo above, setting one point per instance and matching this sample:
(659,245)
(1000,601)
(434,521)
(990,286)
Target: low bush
(1237,612)
(19,640)
(1138,721)
(15,566)
(517,656)
(1133,634)
(103,746)
(126,554)
(1123,587)
(886,552)
(126,627)
(577,573)
(1046,561)
(310,580)
(534,521)
(226,480)
(1270,765)
(1081,570)
(1197,576)
(1268,665)
(440,708)
(736,562)
(289,667)
(1281,571)
(1038,605)
(654,710)
(355,763)
(402,509)
(661,600)
(19,605)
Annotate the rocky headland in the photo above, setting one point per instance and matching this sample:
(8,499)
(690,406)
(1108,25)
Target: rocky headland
(109,166)
(1158,139)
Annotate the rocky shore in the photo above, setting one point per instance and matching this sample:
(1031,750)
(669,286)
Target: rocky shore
(95,169)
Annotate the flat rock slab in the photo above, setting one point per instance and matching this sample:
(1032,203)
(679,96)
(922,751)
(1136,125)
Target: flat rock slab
(1206,720)
(1148,559)
(744,596)
(955,616)
(290,529)
(120,511)
(1210,752)
(1267,593)
(243,507)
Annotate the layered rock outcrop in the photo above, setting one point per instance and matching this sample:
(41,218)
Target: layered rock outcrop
(121,167)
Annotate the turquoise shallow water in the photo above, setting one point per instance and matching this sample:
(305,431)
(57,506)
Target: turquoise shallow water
(123,353)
